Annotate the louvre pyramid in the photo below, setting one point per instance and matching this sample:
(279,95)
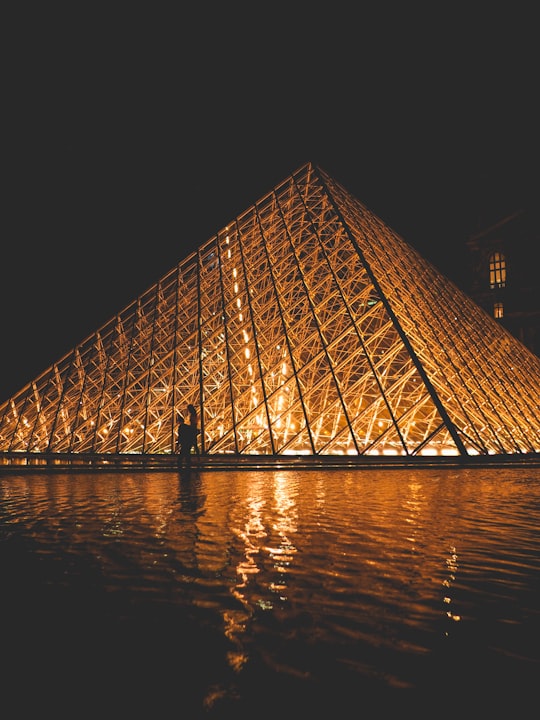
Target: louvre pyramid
(307,327)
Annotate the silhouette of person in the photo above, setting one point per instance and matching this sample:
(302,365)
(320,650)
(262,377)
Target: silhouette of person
(193,424)
(185,440)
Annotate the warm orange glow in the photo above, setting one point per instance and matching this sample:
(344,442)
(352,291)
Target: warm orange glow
(307,326)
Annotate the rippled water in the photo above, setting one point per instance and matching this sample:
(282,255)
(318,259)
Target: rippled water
(272,593)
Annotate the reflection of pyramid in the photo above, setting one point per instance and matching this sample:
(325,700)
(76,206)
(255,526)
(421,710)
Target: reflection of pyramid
(307,326)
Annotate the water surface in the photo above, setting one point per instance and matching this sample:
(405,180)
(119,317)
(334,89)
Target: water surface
(271,593)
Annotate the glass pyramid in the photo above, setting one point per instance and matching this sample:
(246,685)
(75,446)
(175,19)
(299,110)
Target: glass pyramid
(305,327)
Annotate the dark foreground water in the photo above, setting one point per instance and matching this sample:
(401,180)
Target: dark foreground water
(270,594)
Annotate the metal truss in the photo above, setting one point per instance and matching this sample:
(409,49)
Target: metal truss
(305,327)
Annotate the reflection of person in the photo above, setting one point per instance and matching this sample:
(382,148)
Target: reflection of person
(191,495)
(192,422)
(185,440)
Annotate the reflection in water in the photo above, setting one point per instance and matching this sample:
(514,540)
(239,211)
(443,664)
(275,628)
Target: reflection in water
(191,494)
(250,591)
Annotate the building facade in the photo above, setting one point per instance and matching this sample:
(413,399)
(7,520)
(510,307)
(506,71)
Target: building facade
(502,274)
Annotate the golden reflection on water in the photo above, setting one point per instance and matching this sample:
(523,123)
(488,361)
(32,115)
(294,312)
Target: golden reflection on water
(379,575)
(453,567)
(285,526)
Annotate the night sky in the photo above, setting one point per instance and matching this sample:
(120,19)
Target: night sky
(131,140)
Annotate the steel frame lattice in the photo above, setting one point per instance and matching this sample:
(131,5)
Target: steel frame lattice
(306,326)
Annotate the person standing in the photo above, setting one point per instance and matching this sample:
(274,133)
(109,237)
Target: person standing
(193,424)
(185,440)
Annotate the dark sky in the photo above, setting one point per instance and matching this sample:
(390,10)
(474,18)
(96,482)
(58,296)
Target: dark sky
(131,140)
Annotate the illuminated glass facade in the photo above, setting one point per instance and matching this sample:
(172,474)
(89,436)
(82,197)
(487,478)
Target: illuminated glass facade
(306,326)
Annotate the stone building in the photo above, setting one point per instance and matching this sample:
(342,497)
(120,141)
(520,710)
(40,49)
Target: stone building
(502,274)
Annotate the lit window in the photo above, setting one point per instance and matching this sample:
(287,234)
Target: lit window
(497,270)
(498,310)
